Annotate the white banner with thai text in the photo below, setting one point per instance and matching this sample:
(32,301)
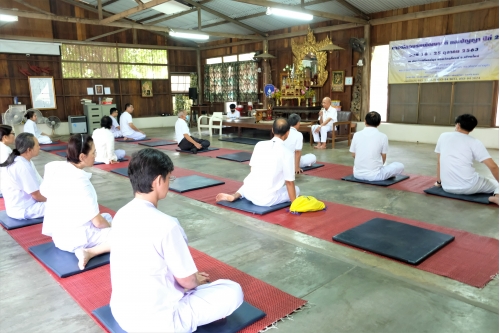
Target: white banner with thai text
(471,56)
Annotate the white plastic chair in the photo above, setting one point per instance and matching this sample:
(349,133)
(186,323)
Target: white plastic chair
(217,117)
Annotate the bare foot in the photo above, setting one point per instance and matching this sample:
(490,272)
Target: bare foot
(321,147)
(224,197)
(494,199)
(83,257)
(317,147)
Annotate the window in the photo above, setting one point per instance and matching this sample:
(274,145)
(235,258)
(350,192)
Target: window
(180,83)
(379,79)
(84,61)
(246,56)
(232,58)
(180,102)
(212,61)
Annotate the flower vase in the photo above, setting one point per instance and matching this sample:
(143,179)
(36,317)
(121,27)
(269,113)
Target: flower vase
(307,102)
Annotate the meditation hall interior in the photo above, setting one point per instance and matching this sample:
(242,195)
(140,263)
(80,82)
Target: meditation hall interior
(249,166)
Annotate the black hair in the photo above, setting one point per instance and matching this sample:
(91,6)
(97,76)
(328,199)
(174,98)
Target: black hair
(145,166)
(29,114)
(24,141)
(373,118)
(78,144)
(106,122)
(127,105)
(232,106)
(112,110)
(467,122)
(280,126)
(5,130)
(293,119)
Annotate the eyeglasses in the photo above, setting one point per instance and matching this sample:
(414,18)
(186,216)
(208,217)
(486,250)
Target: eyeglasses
(81,149)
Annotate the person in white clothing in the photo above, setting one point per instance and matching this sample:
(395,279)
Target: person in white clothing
(183,137)
(128,129)
(233,113)
(295,142)
(72,215)
(7,138)
(104,142)
(327,117)
(115,127)
(156,286)
(30,127)
(369,149)
(456,154)
(272,166)
(20,183)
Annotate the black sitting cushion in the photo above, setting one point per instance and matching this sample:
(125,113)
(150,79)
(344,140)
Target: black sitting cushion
(247,206)
(199,151)
(246,141)
(242,156)
(387,182)
(123,140)
(478,197)
(314,166)
(121,171)
(54,148)
(194,182)
(158,143)
(10,223)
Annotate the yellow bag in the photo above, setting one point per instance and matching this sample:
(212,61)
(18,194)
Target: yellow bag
(305,203)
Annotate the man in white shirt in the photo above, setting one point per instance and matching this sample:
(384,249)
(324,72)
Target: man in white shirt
(104,142)
(183,137)
(115,127)
(369,149)
(233,113)
(272,166)
(156,286)
(327,117)
(456,154)
(129,131)
(295,142)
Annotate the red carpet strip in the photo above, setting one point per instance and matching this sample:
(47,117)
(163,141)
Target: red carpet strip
(92,289)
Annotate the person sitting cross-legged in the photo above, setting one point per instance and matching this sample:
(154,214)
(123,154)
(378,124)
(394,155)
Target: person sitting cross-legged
(115,127)
(155,284)
(104,142)
(271,167)
(127,127)
(295,142)
(183,137)
(369,149)
(327,117)
(456,154)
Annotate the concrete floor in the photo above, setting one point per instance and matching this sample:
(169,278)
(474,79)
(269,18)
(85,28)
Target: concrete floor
(348,290)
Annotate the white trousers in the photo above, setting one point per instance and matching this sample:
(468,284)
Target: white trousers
(386,172)
(483,185)
(266,201)
(95,236)
(120,154)
(44,140)
(307,160)
(323,132)
(117,133)
(207,303)
(34,211)
(136,136)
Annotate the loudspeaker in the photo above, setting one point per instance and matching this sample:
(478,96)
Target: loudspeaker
(193,93)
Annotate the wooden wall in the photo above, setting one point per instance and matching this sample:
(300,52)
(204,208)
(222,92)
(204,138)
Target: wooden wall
(69,92)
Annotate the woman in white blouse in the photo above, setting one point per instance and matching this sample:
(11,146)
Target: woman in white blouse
(30,127)
(104,142)
(72,215)
(7,137)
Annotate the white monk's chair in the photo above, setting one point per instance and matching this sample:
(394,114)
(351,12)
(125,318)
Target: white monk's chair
(217,118)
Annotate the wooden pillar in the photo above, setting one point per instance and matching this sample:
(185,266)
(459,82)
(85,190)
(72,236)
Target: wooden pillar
(365,81)
(266,73)
(198,67)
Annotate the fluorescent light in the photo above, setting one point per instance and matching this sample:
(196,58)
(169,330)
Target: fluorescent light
(188,35)
(290,14)
(8,18)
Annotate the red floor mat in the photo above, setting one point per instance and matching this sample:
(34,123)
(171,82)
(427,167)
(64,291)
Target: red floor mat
(92,289)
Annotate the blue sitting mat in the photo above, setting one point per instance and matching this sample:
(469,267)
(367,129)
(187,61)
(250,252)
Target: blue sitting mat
(190,183)
(1,195)
(121,171)
(242,317)
(242,156)
(478,197)
(10,223)
(65,154)
(54,148)
(395,240)
(246,141)
(387,182)
(311,167)
(123,140)
(63,263)
(247,206)
(199,151)
(158,143)
(52,143)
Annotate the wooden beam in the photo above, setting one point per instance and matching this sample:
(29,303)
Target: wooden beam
(306,11)
(365,79)
(150,17)
(130,25)
(199,18)
(179,14)
(225,17)
(107,3)
(99,9)
(353,9)
(24,3)
(106,34)
(436,12)
(134,10)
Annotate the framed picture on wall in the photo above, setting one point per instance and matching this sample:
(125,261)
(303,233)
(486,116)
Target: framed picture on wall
(348,81)
(147,88)
(99,89)
(338,81)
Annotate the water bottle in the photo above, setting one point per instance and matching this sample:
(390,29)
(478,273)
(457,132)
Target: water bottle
(15,100)
(99,100)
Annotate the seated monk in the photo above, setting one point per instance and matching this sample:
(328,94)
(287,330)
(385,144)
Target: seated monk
(183,137)
(456,154)
(272,166)
(327,117)
(369,149)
